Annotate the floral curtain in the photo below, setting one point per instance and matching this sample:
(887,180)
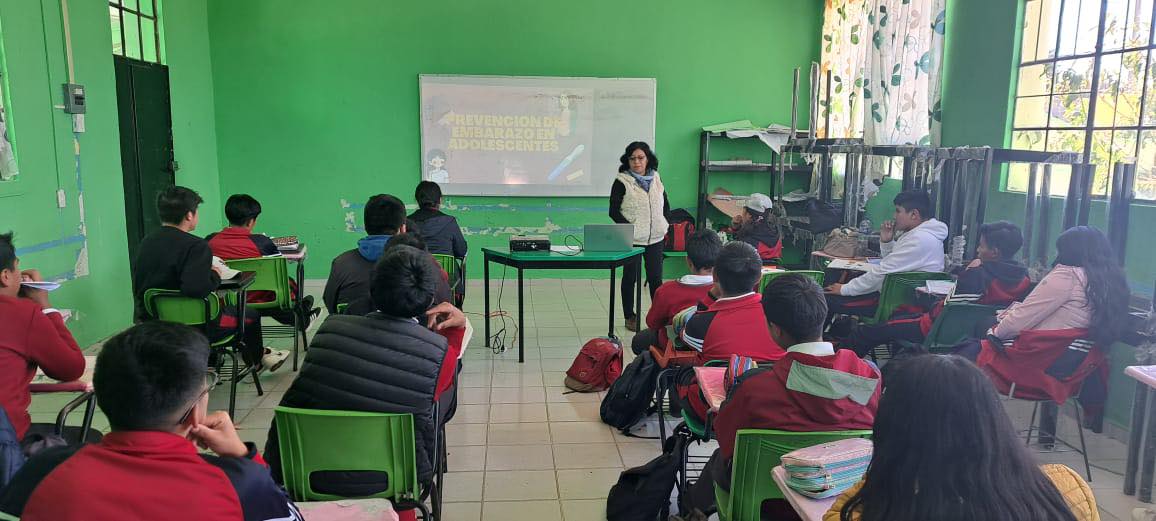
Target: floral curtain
(845,57)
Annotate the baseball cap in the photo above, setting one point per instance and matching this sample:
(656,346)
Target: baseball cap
(759,203)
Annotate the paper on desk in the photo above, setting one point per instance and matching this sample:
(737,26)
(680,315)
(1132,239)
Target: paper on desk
(224,269)
(41,284)
(731,126)
(847,264)
(940,287)
(561,248)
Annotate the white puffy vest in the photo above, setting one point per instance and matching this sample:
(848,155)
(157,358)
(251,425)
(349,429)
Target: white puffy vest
(644,209)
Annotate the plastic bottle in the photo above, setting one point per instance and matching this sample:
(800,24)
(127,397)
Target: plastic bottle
(958,246)
(864,237)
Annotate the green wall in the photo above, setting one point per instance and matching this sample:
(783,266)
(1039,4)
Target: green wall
(317,108)
(51,239)
(979,84)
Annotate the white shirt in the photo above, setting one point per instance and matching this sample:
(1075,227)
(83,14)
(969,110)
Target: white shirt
(813,348)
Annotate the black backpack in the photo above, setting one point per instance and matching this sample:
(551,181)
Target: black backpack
(643,493)
(628,399)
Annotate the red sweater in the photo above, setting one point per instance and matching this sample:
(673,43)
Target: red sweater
(732,326)
(30,338)
(670,298)
(807,402)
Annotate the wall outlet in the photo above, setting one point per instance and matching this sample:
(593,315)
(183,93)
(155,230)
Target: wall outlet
(61,199)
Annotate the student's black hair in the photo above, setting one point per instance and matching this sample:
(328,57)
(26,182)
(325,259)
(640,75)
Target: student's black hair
(702,248)
(796,304)
(404,282)
(241,208)
(1003,236)
(428,194)
(737,268)
(915,200)
(946,450)
(406,239)
(384,215)
(150,374)
(7,252)
(174,202)
(651,159)
(1107,291)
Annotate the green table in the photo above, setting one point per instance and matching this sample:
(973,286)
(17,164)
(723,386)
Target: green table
(550,260)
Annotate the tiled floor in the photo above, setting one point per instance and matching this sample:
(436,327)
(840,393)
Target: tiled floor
(520,448)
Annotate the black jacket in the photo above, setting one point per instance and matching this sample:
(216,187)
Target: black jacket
(369,363)
(170,258)
(440,232)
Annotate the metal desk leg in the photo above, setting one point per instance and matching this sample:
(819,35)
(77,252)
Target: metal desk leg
(638,293)
(302,313)
(486,316)
(521,318)
(1049,414)
(611,334)
(1135,438)
(1149,458)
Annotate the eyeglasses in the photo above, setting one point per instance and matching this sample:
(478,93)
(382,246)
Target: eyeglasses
(638,158)
(211,381)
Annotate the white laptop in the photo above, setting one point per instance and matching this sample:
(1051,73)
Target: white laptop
(608,237)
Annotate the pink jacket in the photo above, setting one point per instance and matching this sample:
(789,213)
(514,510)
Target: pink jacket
(1058,302)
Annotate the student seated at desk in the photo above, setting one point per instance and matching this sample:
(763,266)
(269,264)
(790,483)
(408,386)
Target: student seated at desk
(702,249)
(752,227)
(152,384)
(1061,332)
(400,359)
(811,388)
(945,449)
(237,241)
(349,275)
(365,305)
(173,258)
(441,232)
(32,335)
(993,278)
(918,248)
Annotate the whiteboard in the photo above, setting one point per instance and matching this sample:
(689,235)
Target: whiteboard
(531,136)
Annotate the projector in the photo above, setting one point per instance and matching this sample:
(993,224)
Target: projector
(530,243)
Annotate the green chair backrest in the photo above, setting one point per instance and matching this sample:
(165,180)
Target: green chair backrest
(316,440)
(899,289)
(769,276)
(8,517)
(272,275)
(173,306)
(956,323)
(757,451)
(453,266)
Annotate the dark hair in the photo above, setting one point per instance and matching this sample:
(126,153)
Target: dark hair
(702,248)
(384,215)
(796,304)
(406,239)
(174,202)
(651,159)
(941,430)
(241,208)
(7,252)
(1003,236)
(1107,291)
(428,194)
(915,200)
(737,268)
(404,282)
(148,375)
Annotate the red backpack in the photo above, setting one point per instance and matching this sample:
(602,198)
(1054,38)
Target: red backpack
(598,364)
(680,230)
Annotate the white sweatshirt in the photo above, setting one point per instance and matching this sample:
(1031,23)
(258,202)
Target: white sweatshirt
(919,249)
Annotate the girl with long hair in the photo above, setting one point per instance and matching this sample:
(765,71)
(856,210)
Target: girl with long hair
(945,450)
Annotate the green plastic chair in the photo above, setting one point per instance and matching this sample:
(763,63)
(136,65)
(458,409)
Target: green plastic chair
(342,308)
(173,306)
(8,517)
(272,275)
(456,269)
(768,277)
(955,324)
(319,440)
(899,289)
(757,451)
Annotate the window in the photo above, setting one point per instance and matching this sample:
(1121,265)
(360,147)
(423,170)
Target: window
(1087,85)
(8,166)
(136,31)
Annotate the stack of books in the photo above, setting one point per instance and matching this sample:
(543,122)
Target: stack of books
(287,244)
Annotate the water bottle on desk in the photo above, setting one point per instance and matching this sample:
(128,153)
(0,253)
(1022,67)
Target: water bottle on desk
(864,237)
(958,246)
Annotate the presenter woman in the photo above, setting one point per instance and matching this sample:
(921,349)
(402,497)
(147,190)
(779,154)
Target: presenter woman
(637,197)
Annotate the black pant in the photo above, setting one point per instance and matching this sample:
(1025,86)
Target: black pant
(652,258)
(223,326)
(859,305)
(865,338)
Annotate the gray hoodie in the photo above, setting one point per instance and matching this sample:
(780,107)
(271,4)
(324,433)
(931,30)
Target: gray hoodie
(918,249)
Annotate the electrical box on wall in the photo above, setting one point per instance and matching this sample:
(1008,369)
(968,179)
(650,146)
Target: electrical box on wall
(74,98)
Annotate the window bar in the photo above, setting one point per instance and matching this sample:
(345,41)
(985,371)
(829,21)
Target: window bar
(1095,94)
(140,37)
(1144,84)
(156,32)
(123,42)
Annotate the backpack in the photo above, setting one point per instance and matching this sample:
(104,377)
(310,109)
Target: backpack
(597,366)
(628,399)
(11,454)
(679,231)
(643,493)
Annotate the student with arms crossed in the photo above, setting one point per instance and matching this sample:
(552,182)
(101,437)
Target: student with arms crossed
(152,384)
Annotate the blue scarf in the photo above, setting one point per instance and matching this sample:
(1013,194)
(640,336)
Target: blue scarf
(643,180)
